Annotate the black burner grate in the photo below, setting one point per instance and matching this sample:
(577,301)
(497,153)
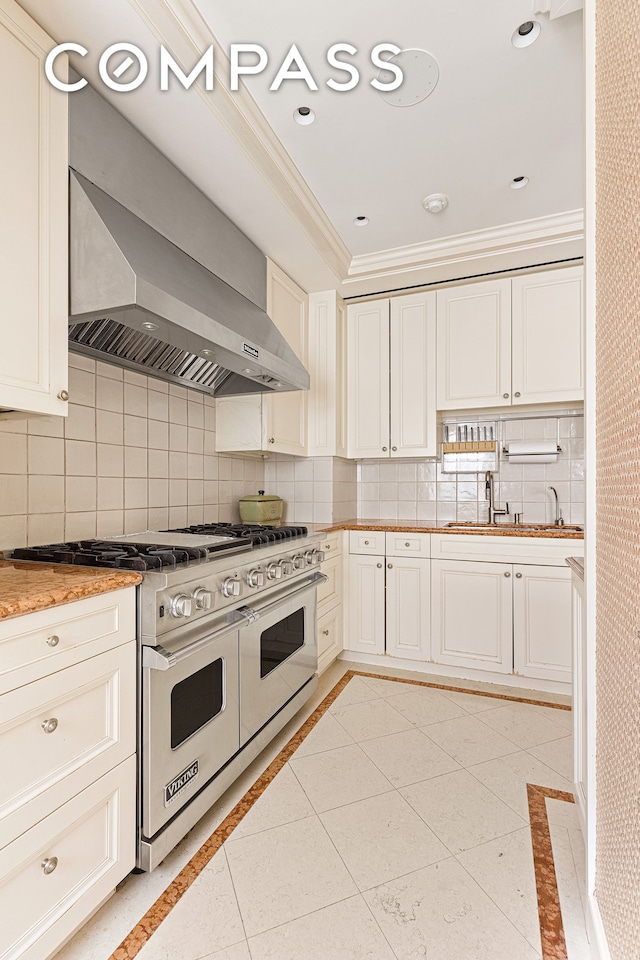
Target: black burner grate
(253,532)
(105,553)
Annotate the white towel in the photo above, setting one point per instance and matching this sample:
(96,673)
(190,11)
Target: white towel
(532,451)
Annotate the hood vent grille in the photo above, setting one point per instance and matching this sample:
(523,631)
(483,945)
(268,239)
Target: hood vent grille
(106,336)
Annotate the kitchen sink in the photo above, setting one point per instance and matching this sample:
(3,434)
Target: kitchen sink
(478,525)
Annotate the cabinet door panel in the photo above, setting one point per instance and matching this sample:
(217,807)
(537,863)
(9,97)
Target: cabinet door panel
(548,337)
(408,608)
(413,376)
(365,598)
(542,622)
(471,619)
(368,366)
(474,345)
(286,413)
(329,636)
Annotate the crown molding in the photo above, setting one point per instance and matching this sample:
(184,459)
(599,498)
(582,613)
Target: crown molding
(179,25)
(519,237)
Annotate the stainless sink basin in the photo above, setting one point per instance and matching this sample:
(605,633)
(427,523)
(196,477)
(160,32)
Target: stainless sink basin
(478,525)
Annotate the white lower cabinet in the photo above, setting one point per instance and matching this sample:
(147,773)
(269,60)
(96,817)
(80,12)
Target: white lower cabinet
(408,608)
(330,611)
(471,623)
(329,637)
(542,622)
(365,624)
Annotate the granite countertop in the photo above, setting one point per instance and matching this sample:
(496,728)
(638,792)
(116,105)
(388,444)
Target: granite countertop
(424,526)
(577,566)
(26,587)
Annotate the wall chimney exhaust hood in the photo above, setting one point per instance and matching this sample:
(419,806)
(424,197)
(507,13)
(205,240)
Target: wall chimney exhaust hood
(138,301)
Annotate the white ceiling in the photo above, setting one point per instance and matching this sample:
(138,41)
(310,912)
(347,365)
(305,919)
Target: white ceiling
(496,113)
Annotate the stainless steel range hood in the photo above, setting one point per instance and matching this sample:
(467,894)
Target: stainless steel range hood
(138,301)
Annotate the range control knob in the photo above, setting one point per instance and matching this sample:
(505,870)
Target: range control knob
(273,571)
(286,566)
(311,556)
(232,587)
(299,561)
(320,555)
(203,598)
(255,578)
(181,605)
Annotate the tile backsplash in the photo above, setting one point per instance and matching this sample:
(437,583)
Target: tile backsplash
(134,453)
(315,489)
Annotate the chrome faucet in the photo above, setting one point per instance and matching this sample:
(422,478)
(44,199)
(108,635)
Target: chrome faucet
(558,522)
(489,495)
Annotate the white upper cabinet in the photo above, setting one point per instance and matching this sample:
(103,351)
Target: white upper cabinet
(326,420)
(548,337)
(33,224)
(391,377)
(510,342)
(474,345)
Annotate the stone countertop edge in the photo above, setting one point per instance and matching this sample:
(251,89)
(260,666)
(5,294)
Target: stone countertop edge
(418,526)
(577,566)
(27,587)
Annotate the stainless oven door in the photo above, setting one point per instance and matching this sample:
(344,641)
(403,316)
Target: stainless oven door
(190,718)
(278,654)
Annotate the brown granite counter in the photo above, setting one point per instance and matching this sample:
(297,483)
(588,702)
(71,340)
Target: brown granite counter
(577,566)
(424,526)
(26,587)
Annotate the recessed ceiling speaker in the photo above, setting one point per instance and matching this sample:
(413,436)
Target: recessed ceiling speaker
(420,71)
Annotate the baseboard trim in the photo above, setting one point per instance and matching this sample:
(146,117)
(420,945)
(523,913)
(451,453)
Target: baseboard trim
(595,930)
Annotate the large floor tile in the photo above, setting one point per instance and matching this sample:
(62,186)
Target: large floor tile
(504,870)
(285,873)
(472,702)
(468,740)
(571,905)
(364,721)
(206,919)
(283,801)
(524,724)
(558,754)
(356,691)
(441,912)
(336,777)
(382,838)
(408,757)
(461,811)
(326,735)
(239,951)
(508,777)
(387,688)
(344,931)
(421,706)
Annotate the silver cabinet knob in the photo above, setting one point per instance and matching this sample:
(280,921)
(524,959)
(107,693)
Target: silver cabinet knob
(507,574)
(506,396)
(517,393)
(50,725)
(378,565)
(328,546)
(518,576)
(48,865)
(272,439)
(389,566)
(255,578)
(63,395)
(384,449)
(203,598)
(274,571)
(181,605)
(53,641)
(394,448)
(366,543)
(407,544)
(325,633)
(232,587)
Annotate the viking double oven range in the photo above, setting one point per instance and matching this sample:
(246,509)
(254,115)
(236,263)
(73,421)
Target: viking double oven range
(227,655)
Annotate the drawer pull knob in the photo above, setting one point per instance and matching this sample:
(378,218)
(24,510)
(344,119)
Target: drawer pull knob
(325,633)
(517,393)
(384,449)
(506,396)
(518,576)
(407,544)
(366,543)
(378,565)
(328,546)
(394,448)
(50,725)
(63,395)
(48,865)
(390,565)
(507,574)
(53,641)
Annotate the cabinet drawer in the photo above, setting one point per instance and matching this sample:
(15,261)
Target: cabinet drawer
(367,542)
(408,545)
(329,637)
(61,733)
(332,545)
(331,591)
(92,838)
(40,643)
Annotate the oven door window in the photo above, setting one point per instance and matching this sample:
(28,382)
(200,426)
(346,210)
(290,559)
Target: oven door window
(278,642)
(196,700)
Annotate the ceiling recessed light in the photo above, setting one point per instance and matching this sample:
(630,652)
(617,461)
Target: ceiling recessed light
(526,33)
(150,326)
(361,221)
(304,115)
(435,202)
(518,183)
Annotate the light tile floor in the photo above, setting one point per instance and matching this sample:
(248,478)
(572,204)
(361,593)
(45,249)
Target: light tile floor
(397,831)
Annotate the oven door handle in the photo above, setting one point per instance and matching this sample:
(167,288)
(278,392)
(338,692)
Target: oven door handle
(254,613)
(157,658)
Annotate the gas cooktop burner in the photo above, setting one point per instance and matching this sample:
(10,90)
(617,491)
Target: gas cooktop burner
(256,534)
